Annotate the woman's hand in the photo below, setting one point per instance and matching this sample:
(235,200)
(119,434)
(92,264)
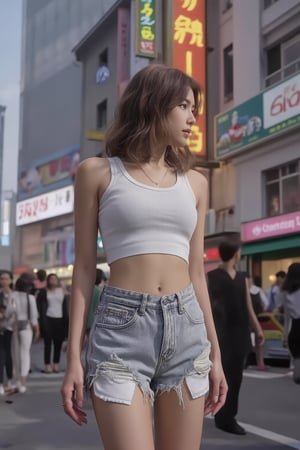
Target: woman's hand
(72,393)
(217,390)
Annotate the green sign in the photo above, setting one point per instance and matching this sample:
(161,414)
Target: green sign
(146,28)
(273,111)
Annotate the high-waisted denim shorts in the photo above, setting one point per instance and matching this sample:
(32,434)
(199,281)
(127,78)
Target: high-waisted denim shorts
(151,341)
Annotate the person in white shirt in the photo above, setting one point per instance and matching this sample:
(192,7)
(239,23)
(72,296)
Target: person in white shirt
(52,308)
(274,292)
(26,327)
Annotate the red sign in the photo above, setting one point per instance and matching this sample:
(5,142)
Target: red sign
(211,254)
(189,50)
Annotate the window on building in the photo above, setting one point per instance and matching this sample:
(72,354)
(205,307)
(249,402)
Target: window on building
(227,4)
(103,58)
(102,115)
(283,60)
(228,72)
(282,193)
(268,3)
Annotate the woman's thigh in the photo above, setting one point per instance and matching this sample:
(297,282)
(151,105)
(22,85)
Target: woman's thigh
(125,427)
(177,426)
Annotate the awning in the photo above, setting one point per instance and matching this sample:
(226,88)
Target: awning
(290,242)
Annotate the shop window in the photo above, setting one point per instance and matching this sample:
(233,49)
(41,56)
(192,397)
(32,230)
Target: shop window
(102,115)
(282,60)
(103,58)
(228,72)
(282,189)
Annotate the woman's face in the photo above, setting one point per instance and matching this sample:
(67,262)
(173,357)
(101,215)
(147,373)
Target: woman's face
(5,280)
(53,281)
(180,120)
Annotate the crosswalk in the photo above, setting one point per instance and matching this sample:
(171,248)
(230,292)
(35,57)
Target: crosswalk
(268,374)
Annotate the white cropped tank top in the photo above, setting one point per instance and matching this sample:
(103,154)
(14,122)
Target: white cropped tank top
(136,219)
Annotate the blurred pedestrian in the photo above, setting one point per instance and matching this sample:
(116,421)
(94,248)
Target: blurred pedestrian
(291,306)
(40,280)
(52,309)
(233,313)
(274,293)
(153,334)
(99,284)
(6,329)
(7,319)
(260,304)
(39,291)
(26,327)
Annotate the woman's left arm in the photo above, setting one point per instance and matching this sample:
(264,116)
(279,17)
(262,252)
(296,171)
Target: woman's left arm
(218,384)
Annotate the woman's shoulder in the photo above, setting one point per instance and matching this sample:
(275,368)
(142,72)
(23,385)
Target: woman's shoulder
(93,168)
(93,164)
(197,177)
(198,183)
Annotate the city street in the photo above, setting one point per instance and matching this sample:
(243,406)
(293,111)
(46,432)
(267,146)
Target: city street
(269,410)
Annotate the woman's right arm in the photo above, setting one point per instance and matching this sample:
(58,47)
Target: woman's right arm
(85,225)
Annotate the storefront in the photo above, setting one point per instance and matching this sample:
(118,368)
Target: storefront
(271,244)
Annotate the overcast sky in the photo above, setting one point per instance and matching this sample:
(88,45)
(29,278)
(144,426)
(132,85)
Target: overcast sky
(10,57)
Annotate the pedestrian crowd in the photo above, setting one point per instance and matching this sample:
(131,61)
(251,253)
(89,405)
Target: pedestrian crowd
(34,307)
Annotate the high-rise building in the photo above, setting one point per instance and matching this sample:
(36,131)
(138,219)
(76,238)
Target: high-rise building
(2,116)
(49,150)
(254,96)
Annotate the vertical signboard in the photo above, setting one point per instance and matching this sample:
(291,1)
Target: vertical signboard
(146,28)
(189,55)
(123,49)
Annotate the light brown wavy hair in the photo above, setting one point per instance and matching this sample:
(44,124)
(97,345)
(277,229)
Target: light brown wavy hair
(141,118)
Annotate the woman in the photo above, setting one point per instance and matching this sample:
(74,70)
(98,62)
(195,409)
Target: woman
(26,327)
(291,305)
(7,319)
(50,303)
(153,333)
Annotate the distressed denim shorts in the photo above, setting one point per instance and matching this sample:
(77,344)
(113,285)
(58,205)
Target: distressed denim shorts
(151,341)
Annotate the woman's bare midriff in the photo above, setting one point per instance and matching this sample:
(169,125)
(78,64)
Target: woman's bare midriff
(151,273)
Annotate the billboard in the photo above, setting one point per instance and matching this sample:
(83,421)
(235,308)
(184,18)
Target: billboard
(52,204)
(189,55)
(146,33)
(48,173)
(273,111)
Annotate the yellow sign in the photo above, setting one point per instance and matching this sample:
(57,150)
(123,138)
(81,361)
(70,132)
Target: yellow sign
(95,135)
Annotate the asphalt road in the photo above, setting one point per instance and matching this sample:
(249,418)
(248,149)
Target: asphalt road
(269,410)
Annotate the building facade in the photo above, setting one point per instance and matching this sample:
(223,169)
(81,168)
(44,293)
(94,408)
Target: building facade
(49,152)
(257,130)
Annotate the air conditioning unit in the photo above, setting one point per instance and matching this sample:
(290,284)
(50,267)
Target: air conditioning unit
(210,222)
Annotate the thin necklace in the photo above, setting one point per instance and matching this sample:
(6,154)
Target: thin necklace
(156,183)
